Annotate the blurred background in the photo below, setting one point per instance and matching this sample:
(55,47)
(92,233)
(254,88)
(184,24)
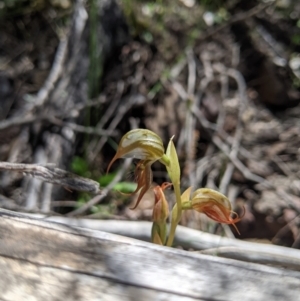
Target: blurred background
(222,76)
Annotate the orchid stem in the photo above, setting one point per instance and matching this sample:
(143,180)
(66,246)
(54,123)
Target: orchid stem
(174,222)
(172,234)
(165,160)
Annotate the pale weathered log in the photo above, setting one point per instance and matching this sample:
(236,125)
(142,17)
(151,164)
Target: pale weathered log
(47,261)
(193,239)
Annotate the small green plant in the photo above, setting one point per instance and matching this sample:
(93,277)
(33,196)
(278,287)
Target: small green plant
(124,186)
(148,147)
(80,166)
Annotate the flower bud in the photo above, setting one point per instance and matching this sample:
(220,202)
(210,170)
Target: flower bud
(173,167)
(160,215)
(161,206)
(156,234)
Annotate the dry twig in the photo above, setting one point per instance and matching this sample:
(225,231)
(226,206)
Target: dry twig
(55,72)
(239,127)
(237,18)
(16,121)
(54,175)
(95,148)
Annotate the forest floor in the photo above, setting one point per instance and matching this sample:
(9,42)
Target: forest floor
(225,80)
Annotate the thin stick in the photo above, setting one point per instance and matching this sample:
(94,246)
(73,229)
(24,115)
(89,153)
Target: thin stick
(122,110)
(55,72)
(238,164)
(82,129)
(101,99)
(239,127)
(17,121)
(55,176)
(235,19)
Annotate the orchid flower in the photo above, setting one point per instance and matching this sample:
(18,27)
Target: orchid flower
(145,145)
(215,205)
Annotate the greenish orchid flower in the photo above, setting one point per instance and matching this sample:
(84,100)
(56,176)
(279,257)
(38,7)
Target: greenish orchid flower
(145,145)
(215,205)
(140,144)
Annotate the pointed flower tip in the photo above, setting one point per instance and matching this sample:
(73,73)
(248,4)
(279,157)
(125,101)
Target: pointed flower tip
(111,162)
(215,205)
(166,185)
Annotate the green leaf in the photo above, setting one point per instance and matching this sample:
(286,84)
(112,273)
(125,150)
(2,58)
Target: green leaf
(106,179)
(80,167)
(125,187)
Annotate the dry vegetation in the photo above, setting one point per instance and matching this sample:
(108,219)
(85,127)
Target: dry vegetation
(228,91)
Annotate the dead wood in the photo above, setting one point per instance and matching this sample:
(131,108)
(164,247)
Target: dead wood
(191,239)
(49,261)
(54,175)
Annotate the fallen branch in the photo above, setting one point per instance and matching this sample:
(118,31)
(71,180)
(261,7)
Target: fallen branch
(47,261)
(189,238)
(54,175)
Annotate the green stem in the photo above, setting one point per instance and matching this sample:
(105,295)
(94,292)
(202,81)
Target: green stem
(171,234)
(174,222)
(165,160)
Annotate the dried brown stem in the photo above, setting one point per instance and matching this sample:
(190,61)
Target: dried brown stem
(237,76)
(54,175)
